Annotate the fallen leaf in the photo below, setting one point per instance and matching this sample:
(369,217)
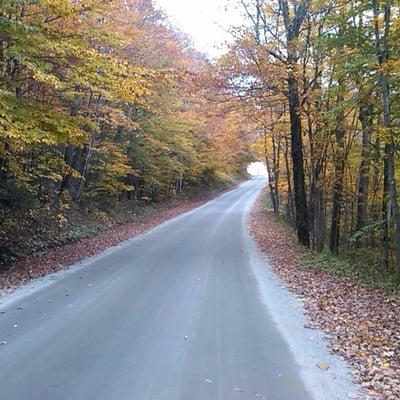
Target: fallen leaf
(323,366)
(362,325)
(58,258)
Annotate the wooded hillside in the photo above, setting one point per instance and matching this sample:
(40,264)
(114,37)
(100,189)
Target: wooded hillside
(103,105)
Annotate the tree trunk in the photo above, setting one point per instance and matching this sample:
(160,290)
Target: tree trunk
(338,186)
(319,218)
(389,154)
(385,217)
(293,26)
(290,211)
(276,167)
(363,176)
(271,176)
(302,222)
(382,50)
(72,155)
(87,152)
(270,185)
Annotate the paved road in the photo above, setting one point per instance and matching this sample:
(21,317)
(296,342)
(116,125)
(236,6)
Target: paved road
(175,314)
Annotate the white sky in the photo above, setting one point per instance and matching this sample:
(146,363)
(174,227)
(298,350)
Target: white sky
(257,168)
(205,21)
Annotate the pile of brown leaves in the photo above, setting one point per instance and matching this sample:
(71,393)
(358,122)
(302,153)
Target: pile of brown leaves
(363,325)
(60,257)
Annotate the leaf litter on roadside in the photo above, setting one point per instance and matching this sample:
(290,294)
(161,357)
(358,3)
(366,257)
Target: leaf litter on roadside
(362,325)
(55,259)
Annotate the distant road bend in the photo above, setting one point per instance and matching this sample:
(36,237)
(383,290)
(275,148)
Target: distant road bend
(175,314)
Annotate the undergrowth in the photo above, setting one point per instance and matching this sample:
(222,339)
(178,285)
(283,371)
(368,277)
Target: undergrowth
(360,264)
(24,233)
(354,264)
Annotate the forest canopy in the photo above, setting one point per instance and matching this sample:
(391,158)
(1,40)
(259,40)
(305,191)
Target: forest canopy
(104,103)
(320,81)
(106,107)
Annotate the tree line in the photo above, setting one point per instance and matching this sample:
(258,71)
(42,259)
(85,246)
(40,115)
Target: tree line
(320,82)
(103,103)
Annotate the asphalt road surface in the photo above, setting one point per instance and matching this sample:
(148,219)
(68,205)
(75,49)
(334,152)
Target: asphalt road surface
(175,314)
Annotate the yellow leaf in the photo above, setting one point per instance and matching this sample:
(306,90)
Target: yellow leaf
(323,366)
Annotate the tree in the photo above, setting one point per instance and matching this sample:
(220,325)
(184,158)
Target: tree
(103,105)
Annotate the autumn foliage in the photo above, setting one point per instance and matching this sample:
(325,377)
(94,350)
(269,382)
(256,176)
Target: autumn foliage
(319,80)
(103,104)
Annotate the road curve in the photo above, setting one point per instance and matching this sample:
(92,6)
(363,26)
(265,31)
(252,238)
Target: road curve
(175,314)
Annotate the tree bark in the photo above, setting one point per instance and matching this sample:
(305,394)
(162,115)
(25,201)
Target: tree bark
(293,27)
(382,49)
(338,185)
(365,118)
(302,222)
(290,210)
(273,176)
